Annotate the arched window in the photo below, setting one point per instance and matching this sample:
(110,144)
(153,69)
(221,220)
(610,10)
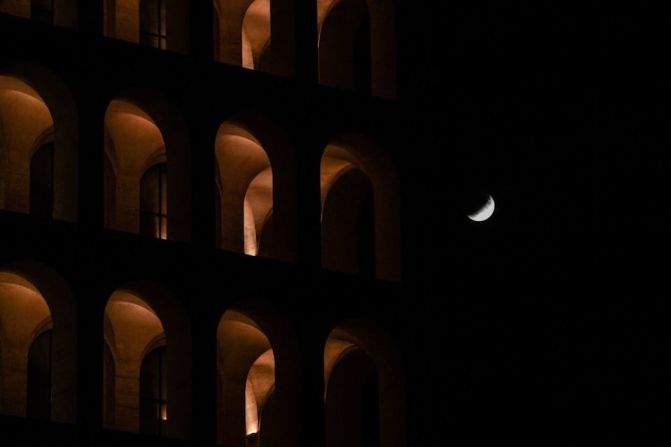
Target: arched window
(154,393)
(153,25)
(38,348)
(352,401)
(147,362)
(360,209)
(363,383)
(348,236)
(246,382)
(344,46)
(42,181)
(147,168)
(154,202)
(42,11)
(39,396)
(255,207)
(38,150)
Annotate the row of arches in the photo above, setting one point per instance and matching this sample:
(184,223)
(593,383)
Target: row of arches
(355,38)
(147,379)
(147,177)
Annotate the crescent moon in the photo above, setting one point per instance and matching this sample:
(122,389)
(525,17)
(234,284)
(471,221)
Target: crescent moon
(485,212)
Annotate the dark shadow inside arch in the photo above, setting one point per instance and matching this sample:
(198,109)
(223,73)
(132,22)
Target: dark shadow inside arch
(363,379)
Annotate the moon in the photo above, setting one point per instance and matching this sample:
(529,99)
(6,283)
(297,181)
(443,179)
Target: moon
(485,212)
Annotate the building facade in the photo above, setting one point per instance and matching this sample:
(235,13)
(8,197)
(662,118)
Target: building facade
(202,223)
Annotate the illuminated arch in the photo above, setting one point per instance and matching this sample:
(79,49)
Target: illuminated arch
(139,318)
(257,381)
(356,232)
(37,109)
(255,34)
(256,193)
(142,130)
(33,299)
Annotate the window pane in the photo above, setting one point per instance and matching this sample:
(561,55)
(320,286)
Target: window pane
(154,202)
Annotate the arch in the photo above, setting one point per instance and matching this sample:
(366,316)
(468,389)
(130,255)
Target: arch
(257,381)
(360,359)
(357,45)
(35,109)
(141,130)
(160,24)
(255,34)
(53,12)
(354,173)
(255,184)
(35,300)
(139,318)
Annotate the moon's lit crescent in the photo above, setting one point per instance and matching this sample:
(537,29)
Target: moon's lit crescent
(485,212)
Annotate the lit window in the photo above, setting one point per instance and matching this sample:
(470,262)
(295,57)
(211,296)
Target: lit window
(154,202)
(153,23)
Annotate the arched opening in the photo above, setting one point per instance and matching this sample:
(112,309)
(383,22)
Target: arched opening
(146,170)
(255,208)
(146,359)
(360,209)
(51,12)
(363,388)
(357,46)
(254,34)
(161,24)
(37,345)
(246,384)
(131,329)
(38,153)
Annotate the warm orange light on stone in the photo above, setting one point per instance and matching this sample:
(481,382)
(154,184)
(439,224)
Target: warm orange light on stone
(24,314)
(132,330)
(133,144)
(245,184)
(25,124)
(246,370)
